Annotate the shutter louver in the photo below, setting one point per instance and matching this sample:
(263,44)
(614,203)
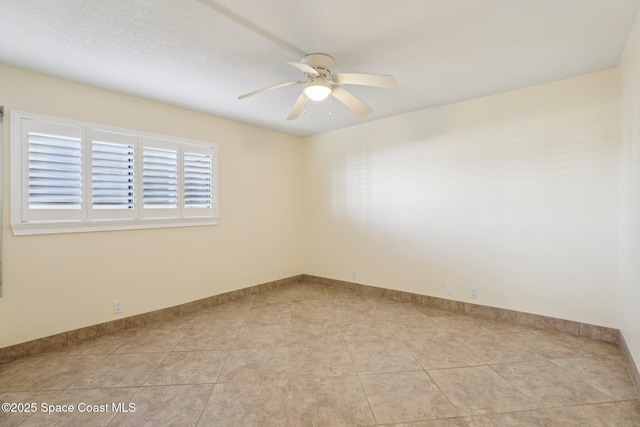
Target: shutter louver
(198,181)
(159,178)
(55,172)
(112,174)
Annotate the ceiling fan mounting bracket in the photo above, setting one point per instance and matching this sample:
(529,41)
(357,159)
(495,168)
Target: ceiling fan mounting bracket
(321,62)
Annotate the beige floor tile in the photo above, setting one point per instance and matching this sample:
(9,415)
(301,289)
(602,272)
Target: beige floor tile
(462,326)
(321,361)
(436,312)
(121,370)
(271,314)
(538,418)
(382,357)
(102,345)
(499,348)
(420,329)
(238,305)
(364,332)
(208,320)
(214,338)
(339,315)
(171,323)
(46,372)
(145,339)
(15,416)
(360,305)
(305,334)
(304,292)
(548,385)
(479,390)
(406,396)
(275,298)
(314,313)
(558,345)
(606,373)
(449,422)
(334,402)
(441,353)
(258,336)
(549,345)
(589,346)
(390,311)
(256,364)
(345,299)
(178,405)
(193,367)
(219,317)
(92,407)
(506,327)
(616,414)
(251,404)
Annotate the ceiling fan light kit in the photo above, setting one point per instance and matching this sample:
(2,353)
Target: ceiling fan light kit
(317,90)
(320,82)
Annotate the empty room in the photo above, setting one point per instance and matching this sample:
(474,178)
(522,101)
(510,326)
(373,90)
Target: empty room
(338,213)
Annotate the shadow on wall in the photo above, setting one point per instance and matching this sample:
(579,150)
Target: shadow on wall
(477,203)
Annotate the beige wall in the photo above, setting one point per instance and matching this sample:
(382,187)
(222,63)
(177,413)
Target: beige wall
(56,283)
(515,194)
(630,194)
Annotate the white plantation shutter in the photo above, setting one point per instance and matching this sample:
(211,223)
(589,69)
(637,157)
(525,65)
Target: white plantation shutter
(53,172)
(69,176)
(198,184)
(160,178)
(112,175)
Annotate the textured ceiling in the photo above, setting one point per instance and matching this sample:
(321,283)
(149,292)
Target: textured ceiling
(202,54)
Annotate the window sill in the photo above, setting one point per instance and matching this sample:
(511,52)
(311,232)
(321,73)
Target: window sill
(33,228)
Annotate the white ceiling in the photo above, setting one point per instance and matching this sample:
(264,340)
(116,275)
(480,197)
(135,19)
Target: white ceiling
(198,54)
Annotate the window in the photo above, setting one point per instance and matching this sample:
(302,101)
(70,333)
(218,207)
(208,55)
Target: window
(70,176)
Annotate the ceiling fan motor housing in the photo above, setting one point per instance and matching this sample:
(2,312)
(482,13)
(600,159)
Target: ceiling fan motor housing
(320,62)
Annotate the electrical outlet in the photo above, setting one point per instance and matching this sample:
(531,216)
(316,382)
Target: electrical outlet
(473,293)
(353,274)
(448,290)
(117,307)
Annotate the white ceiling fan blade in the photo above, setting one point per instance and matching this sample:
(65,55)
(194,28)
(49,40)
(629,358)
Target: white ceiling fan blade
(376,80)
(297,107)
(269,88)
(304,68)
(350,100)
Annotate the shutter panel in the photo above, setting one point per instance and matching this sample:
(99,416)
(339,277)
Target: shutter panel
(54,172)
(112,175)
(160,179)
(198,181)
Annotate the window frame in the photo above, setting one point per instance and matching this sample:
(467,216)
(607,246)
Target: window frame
(90,219)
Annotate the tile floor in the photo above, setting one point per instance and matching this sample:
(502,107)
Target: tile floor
(308,355)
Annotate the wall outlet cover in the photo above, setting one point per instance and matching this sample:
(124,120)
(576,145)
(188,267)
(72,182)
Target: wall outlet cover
(117,307)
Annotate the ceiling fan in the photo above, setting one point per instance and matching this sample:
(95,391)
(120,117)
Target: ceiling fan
(320,82)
